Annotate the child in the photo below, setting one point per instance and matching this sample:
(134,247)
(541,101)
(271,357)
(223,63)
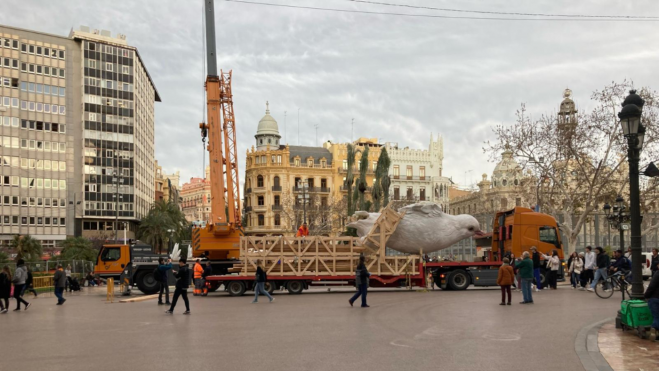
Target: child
(505,280)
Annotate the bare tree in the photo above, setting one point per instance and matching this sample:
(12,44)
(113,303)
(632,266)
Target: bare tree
(323,213)
(579,162)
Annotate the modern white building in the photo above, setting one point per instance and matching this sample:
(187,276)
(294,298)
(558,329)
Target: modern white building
(416,174)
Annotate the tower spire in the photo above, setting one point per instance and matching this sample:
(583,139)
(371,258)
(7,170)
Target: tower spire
(267,108)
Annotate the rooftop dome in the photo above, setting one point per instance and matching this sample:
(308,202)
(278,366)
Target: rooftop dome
(268,125)
(507,164)
(567,105)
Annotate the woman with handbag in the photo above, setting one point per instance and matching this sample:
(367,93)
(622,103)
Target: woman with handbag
(575,266)
(5,289)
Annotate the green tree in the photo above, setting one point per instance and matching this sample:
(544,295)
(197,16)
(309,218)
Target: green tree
(4,258)
(164,216)
(362,185)
(350,178)
(26,248)
(78,248)
(380,191)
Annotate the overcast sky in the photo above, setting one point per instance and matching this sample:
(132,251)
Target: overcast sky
(400,78)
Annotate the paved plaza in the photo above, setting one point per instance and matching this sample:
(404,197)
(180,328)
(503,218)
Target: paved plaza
(403,330)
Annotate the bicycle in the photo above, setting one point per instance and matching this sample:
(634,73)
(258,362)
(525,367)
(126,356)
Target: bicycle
(616,282)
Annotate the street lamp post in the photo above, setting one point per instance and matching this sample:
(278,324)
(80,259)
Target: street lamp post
(618,219)
(634,131)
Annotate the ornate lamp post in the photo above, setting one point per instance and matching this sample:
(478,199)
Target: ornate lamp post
(633,130)
(618,219)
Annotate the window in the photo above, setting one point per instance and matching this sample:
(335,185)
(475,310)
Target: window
(109,254)
(518,201)
(92,64)
(345,164)
(108,67)
(410,193)
(277,200)
(422,194)
(548,235)
(396,171)
(276,181)
(408,172)
(310,163)
(125,70)
(422,172)
(259,181)
(504,203)
(297,162)
(261,201)
(396,193)
(261,219)
(277,220)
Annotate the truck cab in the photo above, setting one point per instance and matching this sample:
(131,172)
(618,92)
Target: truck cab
(112,260)
(519,229)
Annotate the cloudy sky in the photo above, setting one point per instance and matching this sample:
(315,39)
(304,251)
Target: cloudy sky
(400,78)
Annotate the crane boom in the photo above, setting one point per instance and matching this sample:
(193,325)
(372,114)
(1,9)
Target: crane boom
(230,150)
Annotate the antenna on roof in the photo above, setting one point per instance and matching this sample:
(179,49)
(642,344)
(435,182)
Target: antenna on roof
(316,126)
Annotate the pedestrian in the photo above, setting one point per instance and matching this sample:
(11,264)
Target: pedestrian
(261,279)
(198,270)
(575,266)
(628,254)
(67,271)
(182,284)
(554,264)
(361,281)
(516,283)
(29,283)
(303,231)
(90,279)
(5,289)
(602,261)
(589,266)
(536,268)
(654,264)
(20,275)
(569,261)
(164,284)
(652,294)
(526,270)
(208,271)
(60,280)
(505,279)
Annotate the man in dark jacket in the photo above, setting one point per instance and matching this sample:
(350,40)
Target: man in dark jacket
(654,264)
(536,268)
(603,262)
(622,264)
(182,284)
(59,280)
(29,284)
(525,267)
(164,285)
(652,294)
(208,271)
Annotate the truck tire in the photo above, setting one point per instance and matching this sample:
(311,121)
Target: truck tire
(147,283)
(459,280)
(270,287)
(543,278)
(295,287)
(236,288)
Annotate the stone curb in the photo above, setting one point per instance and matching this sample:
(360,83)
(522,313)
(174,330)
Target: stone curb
(587,349)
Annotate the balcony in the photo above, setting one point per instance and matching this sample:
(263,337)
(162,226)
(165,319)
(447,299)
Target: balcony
(248,209)
(276,188)
(354,171)
(260,207)
(259,189)
(277,208)
(345,189)
(248,191)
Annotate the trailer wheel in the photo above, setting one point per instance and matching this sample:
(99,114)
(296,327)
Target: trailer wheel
(147,283)
(236,288)
(295,287)
(270,287)
(459,280)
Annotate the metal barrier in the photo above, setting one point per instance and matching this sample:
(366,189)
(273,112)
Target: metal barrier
(42,282)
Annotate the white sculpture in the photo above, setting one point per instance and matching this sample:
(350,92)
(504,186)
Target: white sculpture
(423,228)
(176,253)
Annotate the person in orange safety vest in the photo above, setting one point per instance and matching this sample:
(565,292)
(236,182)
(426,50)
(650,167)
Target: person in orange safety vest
(303,231)
(198,281)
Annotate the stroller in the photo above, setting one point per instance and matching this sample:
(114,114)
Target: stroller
(75,285)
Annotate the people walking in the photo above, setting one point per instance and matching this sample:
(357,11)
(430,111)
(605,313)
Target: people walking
(60,280)
(536,268)
(67,271)
(575,266)
(198,271)
(20,275)
(652,294)
(261,279)
(361,281)
(5,289)
(517,285)
(505,279)
(602,261)
(208,271)
(182,284)
(654,263)
(164,284)
(589,266)
(554,264)
(29,283)
(526,270)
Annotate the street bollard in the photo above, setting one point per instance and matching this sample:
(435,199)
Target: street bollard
(110,293)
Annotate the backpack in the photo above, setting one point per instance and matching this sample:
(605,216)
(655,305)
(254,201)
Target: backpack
(157,275)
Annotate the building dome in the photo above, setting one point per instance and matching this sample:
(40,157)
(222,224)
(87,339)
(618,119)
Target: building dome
(268,125)
(567,105)
(507,170)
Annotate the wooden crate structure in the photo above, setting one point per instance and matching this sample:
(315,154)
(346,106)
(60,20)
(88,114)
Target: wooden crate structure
(326,256)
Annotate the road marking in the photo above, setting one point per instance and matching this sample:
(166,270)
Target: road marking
(399,345)
(503,337)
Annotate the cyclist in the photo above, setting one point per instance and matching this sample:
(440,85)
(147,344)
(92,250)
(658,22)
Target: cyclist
(621,264)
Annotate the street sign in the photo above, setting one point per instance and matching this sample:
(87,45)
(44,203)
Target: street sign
(625,226)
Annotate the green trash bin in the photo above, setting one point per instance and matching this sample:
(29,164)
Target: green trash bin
(635,313)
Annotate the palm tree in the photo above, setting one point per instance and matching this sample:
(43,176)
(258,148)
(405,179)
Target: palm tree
(26,248)
(164,216)
(78,248)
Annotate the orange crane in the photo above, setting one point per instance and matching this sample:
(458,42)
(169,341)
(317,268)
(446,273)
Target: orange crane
(220,238)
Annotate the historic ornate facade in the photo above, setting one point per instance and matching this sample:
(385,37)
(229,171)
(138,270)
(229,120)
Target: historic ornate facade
(195,199)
